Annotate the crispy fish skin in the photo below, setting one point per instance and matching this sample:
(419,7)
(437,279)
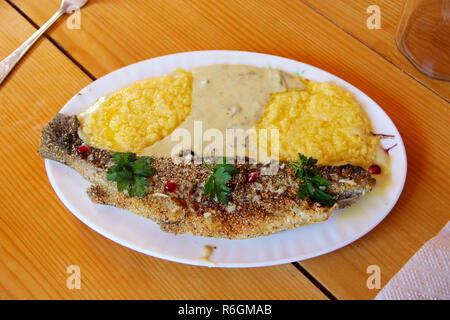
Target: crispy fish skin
(263,207)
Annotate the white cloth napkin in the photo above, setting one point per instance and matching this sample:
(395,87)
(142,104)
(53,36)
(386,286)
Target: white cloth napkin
(426,276)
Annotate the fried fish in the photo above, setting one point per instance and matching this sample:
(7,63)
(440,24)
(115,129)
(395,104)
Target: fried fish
(265,206)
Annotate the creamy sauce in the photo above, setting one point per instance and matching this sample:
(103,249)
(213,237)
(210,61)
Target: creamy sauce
(357,212)
(207,251)
(384,178)
(225,96)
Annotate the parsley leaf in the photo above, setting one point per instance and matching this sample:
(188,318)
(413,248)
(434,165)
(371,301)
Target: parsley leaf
(312,183)
(131,173)
(139,186)
(142,166)
(323,198)
(302,191)
(215,187)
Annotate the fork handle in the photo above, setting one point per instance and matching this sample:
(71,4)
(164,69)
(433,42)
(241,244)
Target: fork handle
(9,62)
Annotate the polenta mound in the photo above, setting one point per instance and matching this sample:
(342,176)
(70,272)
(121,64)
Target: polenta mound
(140,114)
(322,121)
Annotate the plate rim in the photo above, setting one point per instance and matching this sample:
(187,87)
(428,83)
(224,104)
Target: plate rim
(99,229)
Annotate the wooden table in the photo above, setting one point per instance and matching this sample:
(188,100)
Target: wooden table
(40,238)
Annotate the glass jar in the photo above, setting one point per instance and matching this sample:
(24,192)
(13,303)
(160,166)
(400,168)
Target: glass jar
(423,36)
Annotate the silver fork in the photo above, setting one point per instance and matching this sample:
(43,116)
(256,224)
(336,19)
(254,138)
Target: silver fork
(67,6)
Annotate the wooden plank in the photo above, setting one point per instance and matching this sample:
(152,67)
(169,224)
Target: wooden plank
(40,238)
(294,30)
(352,17)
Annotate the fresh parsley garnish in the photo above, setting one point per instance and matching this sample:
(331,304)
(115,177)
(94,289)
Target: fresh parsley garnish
(131,173)
(313,183)
(221,173)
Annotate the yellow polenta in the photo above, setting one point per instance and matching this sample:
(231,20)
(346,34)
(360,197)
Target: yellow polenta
(322,121)
(140,114)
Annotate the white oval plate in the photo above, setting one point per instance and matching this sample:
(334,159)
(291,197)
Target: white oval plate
(143,235)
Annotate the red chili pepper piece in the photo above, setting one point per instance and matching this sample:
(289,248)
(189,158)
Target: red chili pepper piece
(170,186)
(252,177)
(375,169)
(83,149)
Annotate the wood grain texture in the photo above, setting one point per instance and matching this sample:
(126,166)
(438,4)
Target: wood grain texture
(40,238)
(116,33)
(352,17)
